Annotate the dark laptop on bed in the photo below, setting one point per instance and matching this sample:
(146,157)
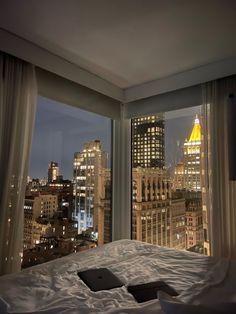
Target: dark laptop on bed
(148,291)
(103,279)
(100,279)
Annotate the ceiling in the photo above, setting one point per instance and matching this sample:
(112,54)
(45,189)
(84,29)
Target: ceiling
(127,42)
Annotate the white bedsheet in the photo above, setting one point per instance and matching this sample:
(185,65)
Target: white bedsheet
(55,288)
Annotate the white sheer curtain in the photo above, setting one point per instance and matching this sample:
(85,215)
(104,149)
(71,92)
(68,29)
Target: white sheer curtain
(18,92)
(222,191)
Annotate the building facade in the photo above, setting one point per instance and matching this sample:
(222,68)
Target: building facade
(45,205)
(64,191)
(89,166)
(188,181)
(53,171)
(192,159)
(179,177)
(177,223)
(156,218)
(105,210)
(37,207)
(194,220)
(148,147)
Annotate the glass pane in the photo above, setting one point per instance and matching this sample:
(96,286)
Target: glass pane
(168,179)
(68,195)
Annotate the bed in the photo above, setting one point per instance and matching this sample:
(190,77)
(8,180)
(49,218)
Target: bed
(55,287)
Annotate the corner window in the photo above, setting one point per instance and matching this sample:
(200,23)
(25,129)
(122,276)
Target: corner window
(169,201)
(68,196)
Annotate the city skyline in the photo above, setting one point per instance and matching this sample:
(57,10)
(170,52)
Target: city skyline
(166,209)
(62,130)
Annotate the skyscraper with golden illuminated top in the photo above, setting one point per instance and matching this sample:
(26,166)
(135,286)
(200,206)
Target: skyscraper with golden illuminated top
(188,182)
(193,186)
(192,158)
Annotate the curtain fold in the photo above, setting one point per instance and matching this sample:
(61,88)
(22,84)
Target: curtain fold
(18,92)
(221,191)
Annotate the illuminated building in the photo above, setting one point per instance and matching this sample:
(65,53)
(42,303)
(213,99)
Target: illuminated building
(28,222)
(39,230)
(148,142)
(192,155)
(193,168)
(156,218)
(104,216)
(45,205)
(53,171)
(177,222)
(188,181)
(64,191)
(41,206)
(43,181)
(179,177)
(87,189)
(51,248)
(205,194)
(62,228)
(194,219)
(32,187)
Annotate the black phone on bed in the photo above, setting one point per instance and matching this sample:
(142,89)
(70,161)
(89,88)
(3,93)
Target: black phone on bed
(148,291)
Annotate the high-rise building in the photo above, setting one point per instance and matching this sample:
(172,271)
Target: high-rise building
(104,210)
(179,177)
(64,191)
(28,222)
(36,207)
(45,205)
(188,179)
(89,165)
(156,218)
(177,222)
(205,189)
(151,206)
(194,219)
(148,142)
(53,171)
(192,159)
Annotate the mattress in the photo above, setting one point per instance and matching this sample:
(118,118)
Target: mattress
(55,287)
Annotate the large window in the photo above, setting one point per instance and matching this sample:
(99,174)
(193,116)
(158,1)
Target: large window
(68,196)
(168,203)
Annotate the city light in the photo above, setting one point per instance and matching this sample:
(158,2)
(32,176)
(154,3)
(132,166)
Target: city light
(64,216)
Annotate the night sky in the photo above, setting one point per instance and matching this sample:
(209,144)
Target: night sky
(61,130)
(178,127)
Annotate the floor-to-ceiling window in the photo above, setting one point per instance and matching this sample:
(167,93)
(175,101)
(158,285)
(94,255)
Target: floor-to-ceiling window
(68,196)
(169,201)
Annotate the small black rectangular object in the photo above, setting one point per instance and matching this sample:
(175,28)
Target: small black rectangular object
(100,279)
(148,291)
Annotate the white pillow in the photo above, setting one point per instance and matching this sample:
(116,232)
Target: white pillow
(170,305)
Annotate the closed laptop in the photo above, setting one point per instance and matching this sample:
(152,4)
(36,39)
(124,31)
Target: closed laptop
(148,291)
(100,279)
